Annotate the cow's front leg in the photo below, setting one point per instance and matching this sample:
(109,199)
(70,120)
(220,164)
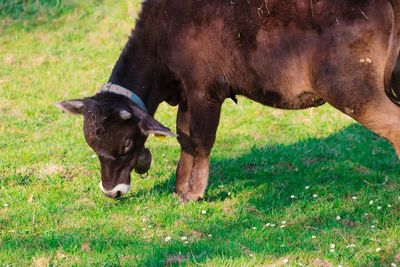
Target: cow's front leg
(204,120)
(186,160)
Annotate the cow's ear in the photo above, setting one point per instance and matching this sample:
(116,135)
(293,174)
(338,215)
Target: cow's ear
(148,126)
(72,106)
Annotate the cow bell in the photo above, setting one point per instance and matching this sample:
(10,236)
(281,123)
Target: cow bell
(143,162)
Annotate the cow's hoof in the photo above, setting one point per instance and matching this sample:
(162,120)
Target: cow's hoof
(177,196)
(182,198)
(185,198)
(181,190)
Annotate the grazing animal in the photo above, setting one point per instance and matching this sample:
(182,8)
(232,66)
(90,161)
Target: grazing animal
(288,54)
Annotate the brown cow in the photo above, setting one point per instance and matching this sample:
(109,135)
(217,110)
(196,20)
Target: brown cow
(289,54)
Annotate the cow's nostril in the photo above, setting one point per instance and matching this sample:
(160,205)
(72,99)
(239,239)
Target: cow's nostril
(118,194)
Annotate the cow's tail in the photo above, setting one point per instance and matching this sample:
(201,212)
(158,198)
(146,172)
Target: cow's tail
(392,69)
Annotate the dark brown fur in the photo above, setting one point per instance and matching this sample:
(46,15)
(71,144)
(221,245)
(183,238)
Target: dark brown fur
(289,54)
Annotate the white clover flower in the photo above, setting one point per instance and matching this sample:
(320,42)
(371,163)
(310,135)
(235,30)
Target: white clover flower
(332,246)
(267,225)
(389,206)
(307,187)
(254,228)
(315,196)
(183,238)
(203,212)
(168,238)
(286,261)
(283,222)
(272,225)
(372,226)
(5,205)
(338,218)
(251,255)
(393,264)
(144,229)
(378,249)
(314,237)
(332,250)
(354,198)
(379,207)
(283,226)
(210,236)
(292,196)
(371,202)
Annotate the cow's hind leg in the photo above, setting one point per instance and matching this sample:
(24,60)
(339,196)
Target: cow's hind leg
(368,104)
(350,74)
(383,118)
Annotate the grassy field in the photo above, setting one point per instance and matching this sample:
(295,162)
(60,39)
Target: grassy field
(307,188)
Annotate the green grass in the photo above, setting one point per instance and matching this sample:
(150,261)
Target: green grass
(52,212)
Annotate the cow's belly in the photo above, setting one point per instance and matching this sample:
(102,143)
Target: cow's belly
(286,86)
(277,99)
(280,70)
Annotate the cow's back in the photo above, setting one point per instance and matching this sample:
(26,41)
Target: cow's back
(271,51)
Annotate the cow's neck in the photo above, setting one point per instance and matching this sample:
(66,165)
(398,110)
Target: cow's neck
(138,67)
(136,75)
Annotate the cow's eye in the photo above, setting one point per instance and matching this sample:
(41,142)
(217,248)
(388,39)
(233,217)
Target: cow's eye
(127,146)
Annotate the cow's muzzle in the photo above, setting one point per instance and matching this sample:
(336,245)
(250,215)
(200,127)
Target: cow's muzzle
(117,191)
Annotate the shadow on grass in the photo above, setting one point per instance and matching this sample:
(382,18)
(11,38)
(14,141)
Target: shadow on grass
(351,162)
(353,157)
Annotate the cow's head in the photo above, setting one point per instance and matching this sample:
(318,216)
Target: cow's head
(116,129)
